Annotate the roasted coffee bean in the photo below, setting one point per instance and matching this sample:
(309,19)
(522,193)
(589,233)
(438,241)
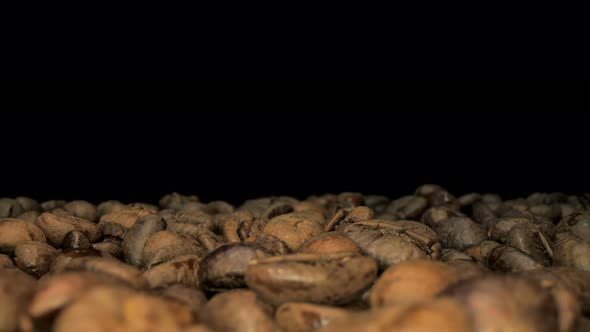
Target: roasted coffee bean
(460,233)
(29,216)
(110,245)
(248,314)
(34,257)
(10,208)
(446,315)
(108,308)
(571,251)
(306,317)
(270,243)
(180,270)
(176,201)
(295,228)
(224,267)
(28,203)
(127,274)
(194,298)
(577,224)
(16,289)
(14,231)
(109,207)
(118,223)
(530,239)
(328,243)
(393,242)
(317,278)
(377,203)
(134,240)
(165,245)
(5,261)
(82,209)
(57,225)
(60,262)
(49,206)
(498,302)
(506,258)
(412,281)
(407,207)
(74,240)
(349,216)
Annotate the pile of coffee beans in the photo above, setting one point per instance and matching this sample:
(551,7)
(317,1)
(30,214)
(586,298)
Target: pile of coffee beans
(428,261)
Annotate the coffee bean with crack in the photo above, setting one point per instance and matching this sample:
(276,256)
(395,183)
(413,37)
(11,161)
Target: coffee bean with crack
(328,243)
(16,290)
(349,199)
(248,313)
(196,218)
(449,255)
(307,317)
(224,267)
(295,228)
(34,257)
(14,231)
(348,216)
(572,251)
(316,278)
(506,258)
(393,242)
(483,214)
(165,245)
(270,243)
(57,225)
(530,239)
(180,270)
(460,233)
(75,240)
(134,240)
(205,238)
(577,224)
(10,208)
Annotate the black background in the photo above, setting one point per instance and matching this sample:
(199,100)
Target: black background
(239,155)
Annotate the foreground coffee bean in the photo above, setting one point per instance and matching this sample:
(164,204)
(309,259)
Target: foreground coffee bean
(306,317)
(335,278)
(14,231)
(16,289)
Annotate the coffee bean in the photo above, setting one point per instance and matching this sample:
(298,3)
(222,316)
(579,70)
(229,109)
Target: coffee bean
(34,257)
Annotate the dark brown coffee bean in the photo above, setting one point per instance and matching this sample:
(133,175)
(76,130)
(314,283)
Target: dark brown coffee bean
(483,214)
(349,199)
(349,216)
(248,314)
(199,218)
(28,204)
(134,240)
(449,255)
(407,207)
(529,238)
(577,224)
(74,240)
(224,267)
(180,270)
(218,207)
(509,259)
(437,215)
(16,289)
(444,198)
(270,243)
(306,317)
(394,242)
(468,199)
(571,251)
(57,225)
(34,257)
(10,208)
(460,233)
(14,231)
(317,278)
(377,203)
(426,190)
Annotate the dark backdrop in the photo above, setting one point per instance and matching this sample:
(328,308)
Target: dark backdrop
(235,156)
